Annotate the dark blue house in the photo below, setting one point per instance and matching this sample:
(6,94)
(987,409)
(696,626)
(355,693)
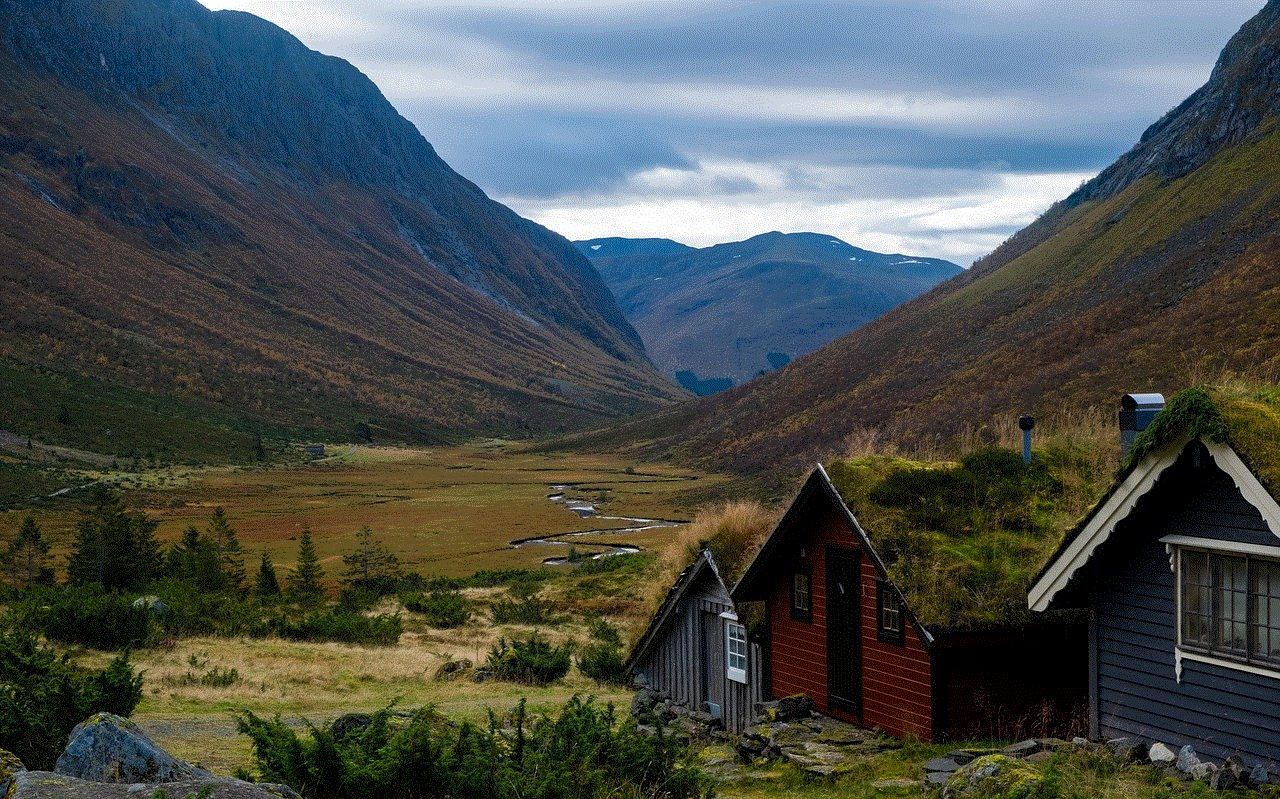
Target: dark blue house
(1179,564)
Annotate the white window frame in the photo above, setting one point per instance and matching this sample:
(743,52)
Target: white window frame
(735,633)
(1175,545)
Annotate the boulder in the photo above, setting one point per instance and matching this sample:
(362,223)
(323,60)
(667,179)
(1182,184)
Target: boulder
(1127,749)
(994,775)
(349,724)
(1023,748)
(1187,760)
(788,708)
(51,785)
(1161,755)
(1223,779)
(452,669)
(1259,776)
(108,748)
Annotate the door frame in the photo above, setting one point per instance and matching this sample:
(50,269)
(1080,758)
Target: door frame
(848,622)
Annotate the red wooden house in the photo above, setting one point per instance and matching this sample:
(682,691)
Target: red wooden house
(840,632)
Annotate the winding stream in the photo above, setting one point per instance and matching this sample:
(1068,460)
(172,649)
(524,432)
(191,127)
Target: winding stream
(586,510)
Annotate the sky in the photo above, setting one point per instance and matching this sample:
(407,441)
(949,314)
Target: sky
(922,128)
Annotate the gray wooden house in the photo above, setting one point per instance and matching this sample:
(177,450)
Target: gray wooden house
(697,650)
(1179,564)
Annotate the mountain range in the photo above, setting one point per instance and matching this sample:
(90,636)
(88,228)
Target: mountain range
(717,316)
(1159,271)
(198,206)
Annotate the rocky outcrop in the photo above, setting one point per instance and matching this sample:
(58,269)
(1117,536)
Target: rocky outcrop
(108,748)
(51,785)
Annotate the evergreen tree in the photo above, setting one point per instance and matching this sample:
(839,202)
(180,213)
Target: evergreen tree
(26,560)
(197,560)
(267,585)
(304,580)
(113,548)
(224,538)
(372,567)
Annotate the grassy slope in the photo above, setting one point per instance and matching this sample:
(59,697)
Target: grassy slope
(1149,289)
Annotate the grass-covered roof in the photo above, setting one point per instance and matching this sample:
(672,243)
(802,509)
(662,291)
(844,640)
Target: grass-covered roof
(961,540)
(1245,419)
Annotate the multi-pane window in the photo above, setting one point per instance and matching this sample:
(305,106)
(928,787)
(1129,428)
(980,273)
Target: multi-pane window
(736,654)
(1230,605)
(802,594)
(888,614)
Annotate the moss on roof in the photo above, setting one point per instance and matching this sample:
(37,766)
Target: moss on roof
(961,540)
(1246,419)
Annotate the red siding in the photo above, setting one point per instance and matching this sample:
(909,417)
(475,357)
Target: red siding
(896,695)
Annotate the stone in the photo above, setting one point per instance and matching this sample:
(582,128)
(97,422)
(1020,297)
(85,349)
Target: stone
(1127,750)
(1036,758)
(1259,776)
(961,756)
(1023,748)
(881,785)
(1078,741)
(1201,771)
(46,785)
(788,708)
(1161,755)
(452,669)
(1223,779)
(108,748)
(1237,768)
(349,724)
(717,755)
(1187,760)
(941,764)
(994,775)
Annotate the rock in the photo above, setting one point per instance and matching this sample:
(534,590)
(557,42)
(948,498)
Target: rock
(107,748)
(481,674)
(349,724)
(1036,758)
(1161,755)
(51,785)
(993,775)
(944,764)
(938,778)
(881,785)
(1237,768)
(1078,741)
(1187,760)
(452,669)
(1127,749)
(1202,771)
(961,756)
(1259,776)
(789,708)
(1023,748)
(1223,779)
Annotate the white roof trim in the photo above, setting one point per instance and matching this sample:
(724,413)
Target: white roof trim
(1219,545)
(1121,502)
(1114,508)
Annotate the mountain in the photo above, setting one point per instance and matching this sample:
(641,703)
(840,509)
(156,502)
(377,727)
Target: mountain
(198,206)
(1163,269)
(721,315)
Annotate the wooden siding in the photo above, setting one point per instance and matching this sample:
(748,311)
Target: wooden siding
(689,661)
(1219,710)
(895,678)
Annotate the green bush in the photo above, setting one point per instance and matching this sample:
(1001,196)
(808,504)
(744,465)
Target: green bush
(43,695)
(603,631)
(524,606)
(85,616)
(630,561)
(603,663)
(492,578)
(532,660)
(346,628)
(582,753)
(441,608)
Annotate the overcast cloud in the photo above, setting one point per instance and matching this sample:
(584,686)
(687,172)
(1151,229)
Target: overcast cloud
(929,128)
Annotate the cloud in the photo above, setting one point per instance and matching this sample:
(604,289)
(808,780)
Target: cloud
(932,128)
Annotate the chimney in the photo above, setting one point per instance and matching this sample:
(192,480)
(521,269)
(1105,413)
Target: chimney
(1136,412)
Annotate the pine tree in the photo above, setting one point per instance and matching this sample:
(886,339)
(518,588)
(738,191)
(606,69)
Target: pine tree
(372,567)
(113,548)
(267,585)
(26,560)
(224,537)
(196,559)
(304,579)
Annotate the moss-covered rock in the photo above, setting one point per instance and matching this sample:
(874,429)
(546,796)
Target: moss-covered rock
(997,777)
(108,748)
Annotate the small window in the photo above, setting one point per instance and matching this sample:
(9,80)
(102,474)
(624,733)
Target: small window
(1229,605)
(888,614)
(802,594)
(736,654)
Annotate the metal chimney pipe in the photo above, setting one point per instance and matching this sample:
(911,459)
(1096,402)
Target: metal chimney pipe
(1136,412)
(1025,424)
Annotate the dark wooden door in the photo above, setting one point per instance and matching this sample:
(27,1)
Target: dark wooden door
(844,642)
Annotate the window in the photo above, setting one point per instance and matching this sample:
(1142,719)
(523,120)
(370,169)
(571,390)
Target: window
(802,594)
(1229,605)
(888,614)
(736,655)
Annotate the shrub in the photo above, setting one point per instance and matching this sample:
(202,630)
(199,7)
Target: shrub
(603,663)
(85,616)
(441,608)
(582,752)
(603,631)
(43,695)
(346,628)
(491,578)
(524,606)
(532,660)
